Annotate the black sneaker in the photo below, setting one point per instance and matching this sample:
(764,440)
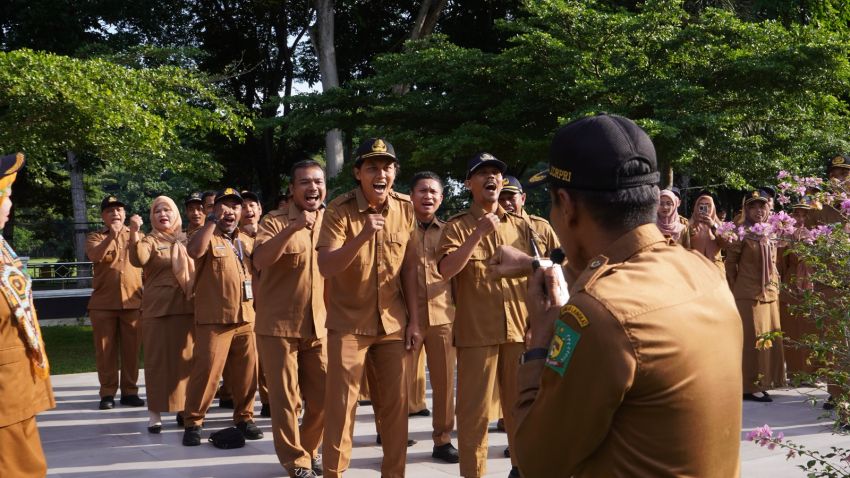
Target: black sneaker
(507,452)
(829,404)
(303,473)
(179,419)
(107,403)
(447,453)
(764,398)
(250,430)
(192,436)
(410,443)
(132,401)
(316,464)
(266,411)
(225,404)
(514,473)
(421,413)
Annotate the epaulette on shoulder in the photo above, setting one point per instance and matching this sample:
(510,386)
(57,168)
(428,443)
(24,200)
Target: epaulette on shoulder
(683,220)
(277,213)
(537,218)
(457,216)
(343,198)
(400,196)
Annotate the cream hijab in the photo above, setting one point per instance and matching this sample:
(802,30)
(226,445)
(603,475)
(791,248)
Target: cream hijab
(181,264)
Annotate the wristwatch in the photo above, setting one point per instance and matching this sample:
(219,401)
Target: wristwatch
(211,218)
(533,354)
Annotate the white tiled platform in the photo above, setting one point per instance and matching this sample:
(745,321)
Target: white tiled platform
(83,442)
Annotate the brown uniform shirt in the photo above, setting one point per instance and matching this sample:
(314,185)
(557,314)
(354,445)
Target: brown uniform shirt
(219,278)
(744,271)
(294,276)
(435,299)
(548,240)
(117,283)
(191,230)
(648,351)
(489,311)
(163,295)
(366,298)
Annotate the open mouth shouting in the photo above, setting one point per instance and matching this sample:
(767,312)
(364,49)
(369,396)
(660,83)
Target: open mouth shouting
(380,187)
(491,185)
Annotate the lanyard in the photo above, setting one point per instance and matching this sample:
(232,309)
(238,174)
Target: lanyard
(239,253)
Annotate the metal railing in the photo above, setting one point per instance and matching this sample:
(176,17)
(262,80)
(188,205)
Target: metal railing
(60,275)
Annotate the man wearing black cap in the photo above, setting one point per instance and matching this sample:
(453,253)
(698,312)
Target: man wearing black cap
(224,319)
(194,212)
(371,306)
(838,172)
(114,306)
(616,380)
(512,198)
(490,319)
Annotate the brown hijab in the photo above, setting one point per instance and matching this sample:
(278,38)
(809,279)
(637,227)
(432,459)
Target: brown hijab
(181,264)
(702,239)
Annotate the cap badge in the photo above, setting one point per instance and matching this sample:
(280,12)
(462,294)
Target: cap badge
(505,182)
(487,157)
(229,191)
(379,146)
(112,199)
(838,160)
(538,177)
(755,194)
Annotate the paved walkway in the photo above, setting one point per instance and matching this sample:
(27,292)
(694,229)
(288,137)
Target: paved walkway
(83,442)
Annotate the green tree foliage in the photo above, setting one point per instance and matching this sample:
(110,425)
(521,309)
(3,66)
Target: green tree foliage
(725,100)
(50,104)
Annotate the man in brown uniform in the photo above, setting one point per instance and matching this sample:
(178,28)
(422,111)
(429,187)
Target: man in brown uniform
(512,198)
(436,314)
(224,319)
(114,306)
(291,333)
(371,279)
(194,213)
(490,324)
(24,371)
(616,381)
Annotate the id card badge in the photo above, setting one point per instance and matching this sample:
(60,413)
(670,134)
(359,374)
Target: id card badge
(247,291)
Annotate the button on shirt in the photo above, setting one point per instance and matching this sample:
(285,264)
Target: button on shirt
(163,295)
(219,277)
(489,311)
(366,298)
(117,284)
(295,277)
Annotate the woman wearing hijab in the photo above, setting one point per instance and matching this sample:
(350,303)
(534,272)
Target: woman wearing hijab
(167,309)
(754,280)
(702,230)
(24,372)
(671,224)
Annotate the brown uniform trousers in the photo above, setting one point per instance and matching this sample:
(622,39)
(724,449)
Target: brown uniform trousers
(291,338)
(630,375)
(114,313)
(22,395)
(224,329)
(758,305)
(489,331)
(366,315)
(167,326)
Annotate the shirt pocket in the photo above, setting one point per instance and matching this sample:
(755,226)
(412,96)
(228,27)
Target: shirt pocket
(478,263)
(293,254)
(219,257)
(394,247)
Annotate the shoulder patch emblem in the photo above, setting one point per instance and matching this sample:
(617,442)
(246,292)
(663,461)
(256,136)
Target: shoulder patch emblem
(562,347)
(576,313)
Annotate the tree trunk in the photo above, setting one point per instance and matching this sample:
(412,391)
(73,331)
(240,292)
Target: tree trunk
(78,203)
(423,25)
(322,38)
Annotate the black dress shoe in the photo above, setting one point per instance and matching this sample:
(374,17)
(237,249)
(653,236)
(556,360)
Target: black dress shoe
(421,413)
(179,418)
(410,443)
(507,452)
(192,436)
(829,404)
(447,453)
(514,473)
(266,411)
(155,429)
(764,398)
(250,430)
(132,401)
(364,402)
(316,464)
(500,425)
(225,404)
(107,403)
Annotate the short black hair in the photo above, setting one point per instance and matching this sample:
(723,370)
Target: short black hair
(425,175)
(207,194)
(304,164)
(624,209)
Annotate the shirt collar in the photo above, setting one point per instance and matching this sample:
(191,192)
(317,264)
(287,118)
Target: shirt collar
(633,242)
(293,212)
(363,205)
(477,211)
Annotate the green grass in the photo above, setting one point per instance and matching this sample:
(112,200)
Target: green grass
(70,349)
